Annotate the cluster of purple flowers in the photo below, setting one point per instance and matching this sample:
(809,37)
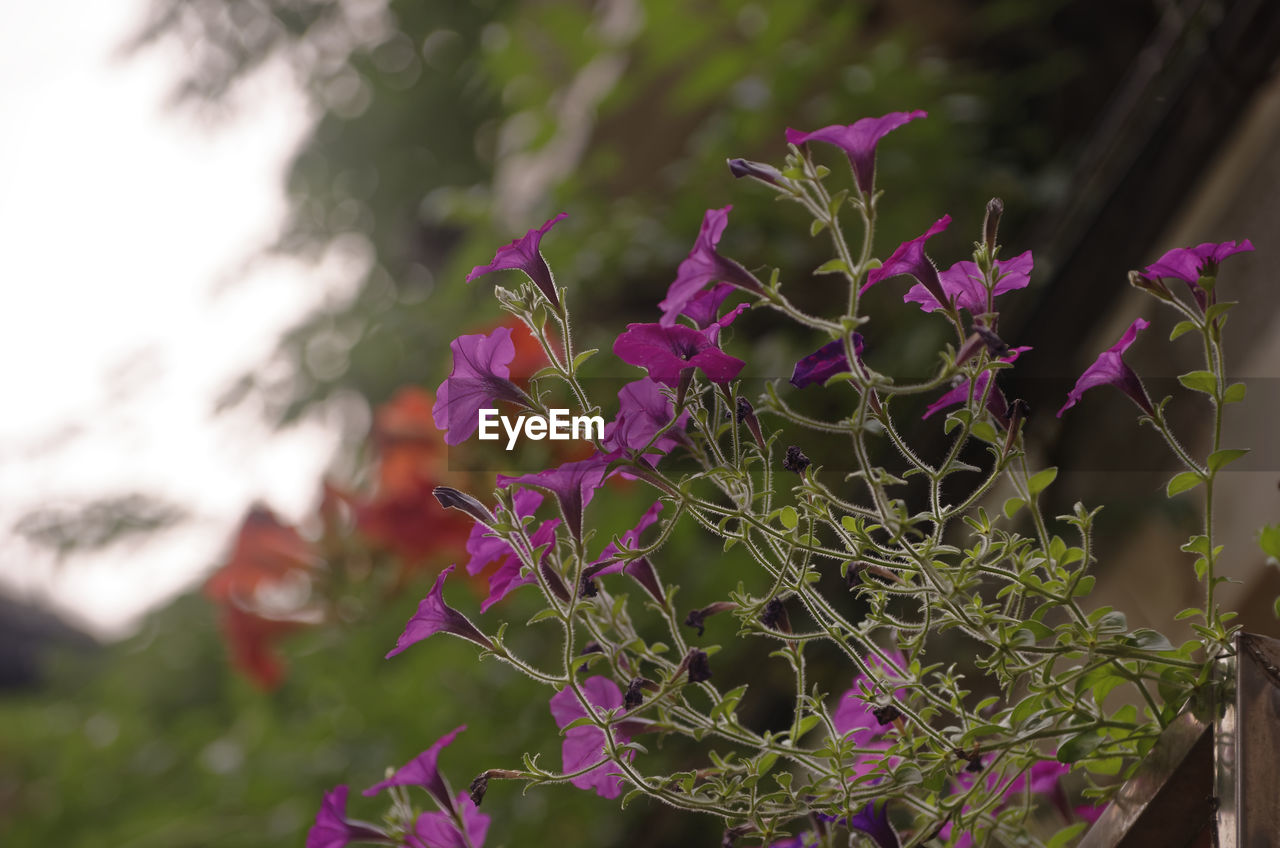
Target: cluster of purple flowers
(651,421)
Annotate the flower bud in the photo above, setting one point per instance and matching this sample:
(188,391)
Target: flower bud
(757,170)
(1152,285)
(775,617)
(451,498)
(746,414)
(697,618)
(991,223)
(795,460)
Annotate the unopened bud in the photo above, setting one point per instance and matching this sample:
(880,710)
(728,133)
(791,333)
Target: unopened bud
(1153,285)
(746,414)
(991,223)
(775,617)
(698,618)
(451,498)
(756,170)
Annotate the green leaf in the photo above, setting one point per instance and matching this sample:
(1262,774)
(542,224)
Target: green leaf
(1269,540)
(1180,328)
(1064,837)
(832,266)
(985,431)
(543,616)
(788,517)
(1184,482)
(1012,506)
(1189,612)
(1150,640)
(1276,608)
(817,227)
(1112,622)
(806,724)
(1200,381)
(1220,458)
(1041,480)
(1219,309)
(1234,393)
(1079,746)
(1084,587)
(583,357)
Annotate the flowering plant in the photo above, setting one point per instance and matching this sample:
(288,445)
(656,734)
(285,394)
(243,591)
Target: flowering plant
(934,552)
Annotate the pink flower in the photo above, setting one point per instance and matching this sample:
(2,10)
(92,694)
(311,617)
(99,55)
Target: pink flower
(668,351)
(585,744)
(1110,369)
(963,282)
(643,410)
(859,141)
(1189,264)
(435,616)
(825,362)
(910,258)
(479,378)
(522,254)
(334,830)
(573,484)
(440,830)
(996,403)
(704,265)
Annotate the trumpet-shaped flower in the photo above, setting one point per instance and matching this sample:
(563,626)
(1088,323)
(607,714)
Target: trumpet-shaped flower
(479,377)
(1189,264)
(704,265)
(643,411)
(439,830)
(435,616)
(910,258)
(824,363)
(522,254)
(585,744)
(996,403)
(964,283)
(423,770)
(859,141)
(1110,369)
(506,579)
(334,830)
(573,484)
(667,351)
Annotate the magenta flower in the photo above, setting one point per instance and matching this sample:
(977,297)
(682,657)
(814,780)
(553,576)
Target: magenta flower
(440,830)
(641,570)
(859,716)
(859,141)
(573,484)
(334,830)
(704,265)
(667,351)
(643,410)
(423,771)
(963,282)
(485,547)
(824,363)
(1110,369)
(435,616)
(522,254)
(585,744)
(479,377)
(910,258)
(506,579)
(1189,264)
(996,403)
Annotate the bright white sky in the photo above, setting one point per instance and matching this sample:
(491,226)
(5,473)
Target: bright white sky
(119,325)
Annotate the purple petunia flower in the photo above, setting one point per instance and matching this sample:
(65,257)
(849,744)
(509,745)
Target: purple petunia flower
(479,377)
(996,403)
(855,717)
(704,265)
(424,771)
(910,258)
(585,744)
(334,830)
(435,616)
(643,410)
(522,254)
(1189,264)
(665,352)
(439,830)
(485,547)
(873,820)
(506,579)
(824,363)
(1110,369)
(963,282)
(573,484)
(641,570)
(859,141)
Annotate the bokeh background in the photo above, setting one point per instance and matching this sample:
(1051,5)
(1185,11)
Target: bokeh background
(236,232)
